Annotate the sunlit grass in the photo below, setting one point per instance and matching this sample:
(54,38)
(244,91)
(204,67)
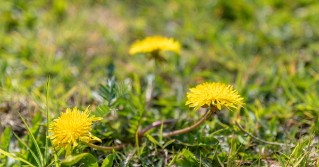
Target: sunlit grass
(267,49)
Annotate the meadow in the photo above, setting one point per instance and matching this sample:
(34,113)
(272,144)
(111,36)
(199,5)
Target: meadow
(58,55)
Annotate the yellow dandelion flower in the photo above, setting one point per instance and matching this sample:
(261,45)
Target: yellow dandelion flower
(70,127)
(155,43)
(216,94)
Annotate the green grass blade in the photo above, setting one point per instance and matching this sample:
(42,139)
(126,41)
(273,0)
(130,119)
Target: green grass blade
(280,160)
(161,134)
(153,140)
(16,158)
(5,142)
(137,144)
(46,155)
(173,160)
(108,161)
(33,139)
(33,154)
(297,163)
(87,158)
(56,155)
(168,143)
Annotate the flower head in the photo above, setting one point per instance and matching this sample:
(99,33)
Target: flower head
(155,43)
(70,127)
(216,94)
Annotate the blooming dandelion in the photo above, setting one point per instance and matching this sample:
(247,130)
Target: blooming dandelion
(155,44)
(216,94)
(71,127)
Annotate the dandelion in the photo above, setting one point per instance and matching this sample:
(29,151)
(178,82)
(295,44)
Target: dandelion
(155,44)
(71,127)
(215,94)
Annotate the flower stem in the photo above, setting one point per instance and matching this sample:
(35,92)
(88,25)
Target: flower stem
(213,109)
(118,147)
(155,124)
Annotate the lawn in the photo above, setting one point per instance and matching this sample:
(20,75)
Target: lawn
(61,54)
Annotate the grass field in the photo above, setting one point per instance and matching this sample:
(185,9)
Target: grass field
(268,50)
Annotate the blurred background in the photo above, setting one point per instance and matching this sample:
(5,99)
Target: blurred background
(267,49)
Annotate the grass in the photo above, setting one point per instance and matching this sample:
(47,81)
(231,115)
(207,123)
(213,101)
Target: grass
(267,49)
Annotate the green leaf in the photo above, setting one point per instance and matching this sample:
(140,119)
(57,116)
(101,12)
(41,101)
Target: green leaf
(137,144)
(32,153)
(153,140)
(87,158)
(5,141)
(168,143)
(103,110)
(204,141)
(280,160)
(189,160)
(121,89)
(137,86)
(173,160)
(297,163)
(33,139)
(108,91)
(142,149)
(159,164)
(16,158)
(135,121)
(161,133)
(207,141)
(108,161)
(36,121)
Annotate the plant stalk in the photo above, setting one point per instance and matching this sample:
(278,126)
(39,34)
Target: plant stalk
(213,109)
(155,124)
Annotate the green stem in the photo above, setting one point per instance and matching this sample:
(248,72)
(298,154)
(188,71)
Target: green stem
(56,158)
(46,154)
(213,109)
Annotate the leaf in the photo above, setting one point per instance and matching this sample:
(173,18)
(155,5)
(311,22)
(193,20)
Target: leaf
(297,163)
(5,142)
(204,141)
(280,160)
(108,91)
(137,86)
(153,140)
(161,133)
(103,110)
(168,143)
(16,158)
(207,141)
(121,89)
(87,158)
(159,164)
(135,121)
(36,121)
(137,144)
(189,160)
(32,153)
(143,147)
(108,161)
(33,139)
(173,160)
(202,160)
